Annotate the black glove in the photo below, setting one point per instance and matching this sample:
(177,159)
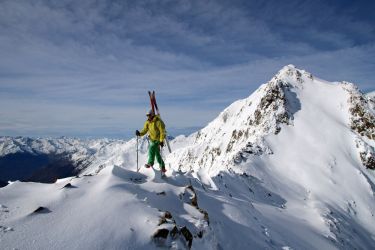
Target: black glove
(161,144)
(137,133)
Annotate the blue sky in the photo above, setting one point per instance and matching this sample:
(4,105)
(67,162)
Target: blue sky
(83,68)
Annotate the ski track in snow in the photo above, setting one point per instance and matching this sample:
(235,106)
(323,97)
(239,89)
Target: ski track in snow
(277,170)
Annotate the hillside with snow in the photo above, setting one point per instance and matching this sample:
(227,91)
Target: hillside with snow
(371,94)
(289,167)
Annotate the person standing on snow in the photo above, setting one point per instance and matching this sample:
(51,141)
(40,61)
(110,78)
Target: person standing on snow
(156,130)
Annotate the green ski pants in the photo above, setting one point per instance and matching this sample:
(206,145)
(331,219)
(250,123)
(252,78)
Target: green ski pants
(154,150)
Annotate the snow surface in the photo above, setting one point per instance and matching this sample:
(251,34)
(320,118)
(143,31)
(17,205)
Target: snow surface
(280,169)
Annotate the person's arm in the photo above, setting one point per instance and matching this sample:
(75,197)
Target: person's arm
(145,129)
(161,127)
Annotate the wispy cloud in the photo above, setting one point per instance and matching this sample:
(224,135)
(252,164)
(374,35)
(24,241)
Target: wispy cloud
(81,67)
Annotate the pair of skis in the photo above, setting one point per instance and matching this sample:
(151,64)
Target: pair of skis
(155,110)
(154,105)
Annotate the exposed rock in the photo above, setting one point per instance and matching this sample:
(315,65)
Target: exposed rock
(200,234)
(190,197)
(179,233)
(362,122)
(273,106)
(188,236)
(225,117)
(5,229)
(161,233)
(69,185)
(166,218)
(193,198)
(167,215)
(41,210)
(366,153)
(252,148)
(162,221)
(174,232)
(368,160)
(236,135)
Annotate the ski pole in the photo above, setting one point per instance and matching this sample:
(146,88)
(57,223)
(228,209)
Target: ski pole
(137,155)
(169,146)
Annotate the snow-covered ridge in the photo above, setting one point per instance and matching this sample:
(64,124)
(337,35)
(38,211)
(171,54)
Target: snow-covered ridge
(240,130)
(284,168)
(371,99)
(10,145)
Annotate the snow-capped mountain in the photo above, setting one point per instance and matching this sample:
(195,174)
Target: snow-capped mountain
(59,157)
(289,167)
(242,130)
(44,154)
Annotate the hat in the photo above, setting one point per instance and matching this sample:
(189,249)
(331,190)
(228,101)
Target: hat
(150,112)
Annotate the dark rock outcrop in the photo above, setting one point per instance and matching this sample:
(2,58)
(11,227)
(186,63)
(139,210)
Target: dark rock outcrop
(41,210)
(362,122)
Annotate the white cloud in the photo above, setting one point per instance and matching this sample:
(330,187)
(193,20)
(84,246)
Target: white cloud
(65,67)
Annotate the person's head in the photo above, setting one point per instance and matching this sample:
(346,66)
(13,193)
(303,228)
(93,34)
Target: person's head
(150,115)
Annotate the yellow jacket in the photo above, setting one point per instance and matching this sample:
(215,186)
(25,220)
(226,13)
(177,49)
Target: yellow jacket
(155,129)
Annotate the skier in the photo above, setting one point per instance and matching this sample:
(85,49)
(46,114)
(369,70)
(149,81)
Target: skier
(156,130)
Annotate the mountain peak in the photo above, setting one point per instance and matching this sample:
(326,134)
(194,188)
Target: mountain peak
(293,75)
(243,130)
(239,130)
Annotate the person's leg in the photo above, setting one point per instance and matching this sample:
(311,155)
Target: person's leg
(159,158)
(151,152)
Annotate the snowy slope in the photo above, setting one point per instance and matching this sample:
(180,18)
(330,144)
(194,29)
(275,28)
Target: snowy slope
(371,98)
(284,168)
(305,139)
(371,94)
